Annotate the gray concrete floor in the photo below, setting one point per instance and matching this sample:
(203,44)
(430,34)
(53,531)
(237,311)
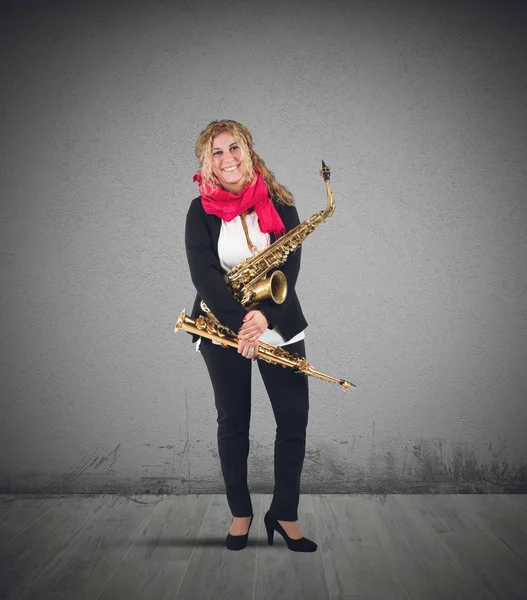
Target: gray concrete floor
(172,548)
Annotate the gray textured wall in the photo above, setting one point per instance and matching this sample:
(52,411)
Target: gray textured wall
(414,290)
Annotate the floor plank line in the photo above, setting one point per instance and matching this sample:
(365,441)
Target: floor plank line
(27,557)
(128,550)
(13,537)
(82,568)
(176,596)
(318,541)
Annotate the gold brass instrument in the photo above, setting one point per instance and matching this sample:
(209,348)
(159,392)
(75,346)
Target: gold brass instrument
(247,280)
(212,330)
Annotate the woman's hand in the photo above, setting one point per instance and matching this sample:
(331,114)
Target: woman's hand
(255,324)
(248,349)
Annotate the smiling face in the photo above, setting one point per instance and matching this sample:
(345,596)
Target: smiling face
(227,162)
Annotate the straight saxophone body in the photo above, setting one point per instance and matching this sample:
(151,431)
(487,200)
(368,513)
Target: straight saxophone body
(212,330)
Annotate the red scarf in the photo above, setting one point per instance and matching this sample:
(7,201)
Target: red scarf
(227,206)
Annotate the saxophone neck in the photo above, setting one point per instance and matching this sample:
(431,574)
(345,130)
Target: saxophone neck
(330,208)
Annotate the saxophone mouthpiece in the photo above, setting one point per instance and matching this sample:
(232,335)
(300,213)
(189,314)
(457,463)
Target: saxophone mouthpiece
(325,171)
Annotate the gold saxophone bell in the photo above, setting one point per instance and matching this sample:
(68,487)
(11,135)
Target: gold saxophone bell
(274,287)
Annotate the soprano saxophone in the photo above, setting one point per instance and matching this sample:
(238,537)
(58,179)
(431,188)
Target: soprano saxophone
(212,330)
(247,281)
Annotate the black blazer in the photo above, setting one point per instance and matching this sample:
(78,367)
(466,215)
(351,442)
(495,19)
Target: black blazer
(202,232)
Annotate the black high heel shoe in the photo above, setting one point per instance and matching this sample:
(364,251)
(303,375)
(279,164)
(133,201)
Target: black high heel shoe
(301,545)
(238,542)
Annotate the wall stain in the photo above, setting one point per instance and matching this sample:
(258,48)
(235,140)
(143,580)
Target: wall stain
(422,465)
(183,455)
(328,466)
(89,462)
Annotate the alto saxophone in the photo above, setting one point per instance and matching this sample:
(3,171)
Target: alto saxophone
(247,281)
(206,327)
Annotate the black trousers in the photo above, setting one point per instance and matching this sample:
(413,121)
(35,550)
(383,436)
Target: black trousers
(230,374)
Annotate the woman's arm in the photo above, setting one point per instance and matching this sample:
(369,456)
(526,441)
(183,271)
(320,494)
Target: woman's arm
(205,270)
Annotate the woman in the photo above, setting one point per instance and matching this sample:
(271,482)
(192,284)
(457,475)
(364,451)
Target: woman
(240,211)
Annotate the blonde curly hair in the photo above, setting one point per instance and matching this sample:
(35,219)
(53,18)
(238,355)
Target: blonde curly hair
(250,160)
